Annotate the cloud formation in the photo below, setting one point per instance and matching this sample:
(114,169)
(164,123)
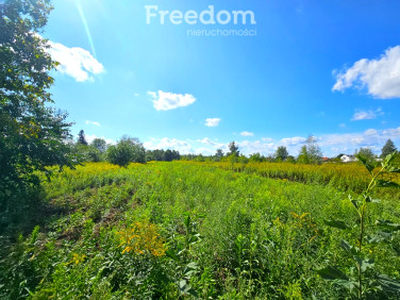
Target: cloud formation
(167,101)
(381,77)
(92,123)
(246,133)
(166,143)
(75,62)
(293,141)
(212,122)
(367,114)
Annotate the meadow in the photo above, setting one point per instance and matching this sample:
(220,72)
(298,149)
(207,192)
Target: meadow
(182,230)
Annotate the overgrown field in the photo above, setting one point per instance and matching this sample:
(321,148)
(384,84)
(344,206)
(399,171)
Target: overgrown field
(195,230)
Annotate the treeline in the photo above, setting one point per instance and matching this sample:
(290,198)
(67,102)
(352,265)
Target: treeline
(132,150)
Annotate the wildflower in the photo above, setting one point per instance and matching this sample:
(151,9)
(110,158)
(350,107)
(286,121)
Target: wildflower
(77,258)
(141,238)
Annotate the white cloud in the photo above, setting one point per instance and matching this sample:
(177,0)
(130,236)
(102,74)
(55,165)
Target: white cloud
(368,138)
(92,123)
(293,141)
(166,143)
(367,115)
(212,122)
(75,62)
(250,147)
(210,142)
(246,133)
(381,77)
(167,101)
(267,139)
(370,132)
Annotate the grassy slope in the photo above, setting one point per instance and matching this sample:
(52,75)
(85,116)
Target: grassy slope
(247,236)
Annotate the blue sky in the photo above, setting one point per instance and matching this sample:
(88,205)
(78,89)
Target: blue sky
(321,67)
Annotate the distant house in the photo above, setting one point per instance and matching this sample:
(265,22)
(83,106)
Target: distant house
(348,158)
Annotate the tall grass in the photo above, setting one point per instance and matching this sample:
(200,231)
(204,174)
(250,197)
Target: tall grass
(189,230)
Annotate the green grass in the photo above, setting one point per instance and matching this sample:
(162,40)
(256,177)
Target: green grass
(227,234)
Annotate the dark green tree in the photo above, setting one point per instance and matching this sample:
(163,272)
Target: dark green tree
(32,135)
(82,138)
(219,154)
(388,148)
(233,149)
(281,153)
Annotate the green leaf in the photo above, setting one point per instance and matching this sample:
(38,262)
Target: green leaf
(389,284)
(353,201)
(192,265)
(385,183)
(388,225)
(348,284)
(380,237)
(394,170)
(331,273)
(172,255)
(187,220)
(389,158)
(183,286)
(349,249)
(365,263)
(336,224)
(370,167)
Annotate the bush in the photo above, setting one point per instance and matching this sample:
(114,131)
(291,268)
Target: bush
(127,150)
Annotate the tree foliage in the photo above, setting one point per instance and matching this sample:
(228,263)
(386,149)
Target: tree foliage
(99,144)
(82,138)
(388,148)
(313,150)
(162,155)
(303,157)
(281,153)
(127,150)
(219,154)
(32,135)
(233,149)
(367,154)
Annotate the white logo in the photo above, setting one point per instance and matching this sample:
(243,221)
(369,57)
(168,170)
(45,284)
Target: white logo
(205,17)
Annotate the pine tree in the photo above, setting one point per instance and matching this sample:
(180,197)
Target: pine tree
(388,148)
(81,138)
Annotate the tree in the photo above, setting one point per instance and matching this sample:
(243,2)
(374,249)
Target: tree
(303,157)
(313,150)
(281,153)
(291,159)
(99,144)
(257,157)
(219,154)
(168,155)
(367,154)
(388,148)
(81,138)
(233,149)
(32,135)
(127,150)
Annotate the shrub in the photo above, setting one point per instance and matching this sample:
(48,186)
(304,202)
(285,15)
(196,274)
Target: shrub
(127,150)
